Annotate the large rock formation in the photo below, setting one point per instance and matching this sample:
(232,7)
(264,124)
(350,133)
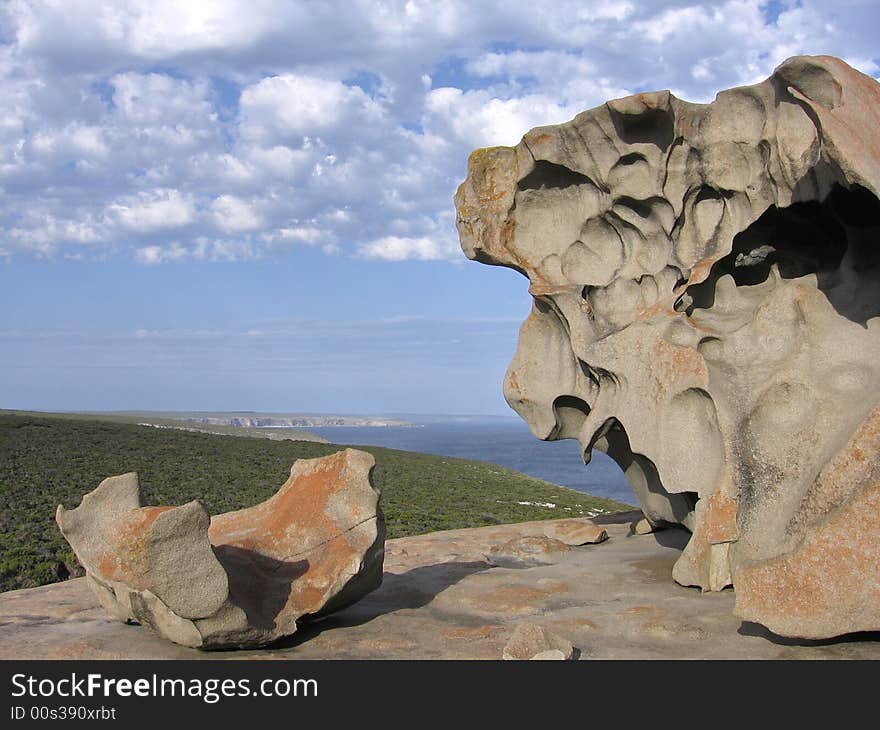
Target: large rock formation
(705,283)
(238,579)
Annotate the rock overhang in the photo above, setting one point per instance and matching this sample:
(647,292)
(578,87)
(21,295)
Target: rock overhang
(705,299)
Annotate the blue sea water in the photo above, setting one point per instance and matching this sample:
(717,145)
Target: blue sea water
(504,441)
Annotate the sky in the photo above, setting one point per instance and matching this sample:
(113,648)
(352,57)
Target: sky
(247,205)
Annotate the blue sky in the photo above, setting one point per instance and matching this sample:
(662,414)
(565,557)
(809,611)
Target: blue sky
(247,205)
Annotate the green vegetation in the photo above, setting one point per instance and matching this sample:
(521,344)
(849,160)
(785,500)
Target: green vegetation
(49,461)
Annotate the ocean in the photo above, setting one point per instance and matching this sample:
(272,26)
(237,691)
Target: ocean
(500,440)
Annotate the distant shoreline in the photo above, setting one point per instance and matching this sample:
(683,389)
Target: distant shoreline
(259,421)
(233,419)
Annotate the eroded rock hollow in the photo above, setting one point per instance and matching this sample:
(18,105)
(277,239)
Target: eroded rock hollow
(706,301)
(239,579)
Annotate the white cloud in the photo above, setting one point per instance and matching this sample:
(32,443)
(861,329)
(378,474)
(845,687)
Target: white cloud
(153,29)
(221,249)
(202,249)
(152,255)
(153,210)
(232,215)
(297,108)
(532,64)
(398,248)
(308,235)
(74,141)
(160,100)
(480,120)
(242,127)
(278,162)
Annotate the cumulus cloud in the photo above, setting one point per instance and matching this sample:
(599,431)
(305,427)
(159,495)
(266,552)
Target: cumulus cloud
(153,210)
(291,108)
(152,255)
(232,214)
(396,248)
(478,119)
(163,131)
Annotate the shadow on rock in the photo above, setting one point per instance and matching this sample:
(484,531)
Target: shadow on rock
(413,589)
(748,628)
(618,518)
(258,584)
(672,537)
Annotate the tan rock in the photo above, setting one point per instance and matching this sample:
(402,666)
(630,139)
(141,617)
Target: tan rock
(514,599)
(531,641)
(528,550)
(642,527)
(550,655)
(442,602)
(828,586)
(576,532)
(706,311)
(243,578)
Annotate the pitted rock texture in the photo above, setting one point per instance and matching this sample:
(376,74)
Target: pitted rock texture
(239,579)
(706,301)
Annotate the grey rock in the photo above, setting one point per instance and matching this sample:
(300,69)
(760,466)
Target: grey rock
(707,311)
(531,641)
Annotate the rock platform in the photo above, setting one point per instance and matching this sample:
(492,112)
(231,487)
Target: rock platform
(441,599)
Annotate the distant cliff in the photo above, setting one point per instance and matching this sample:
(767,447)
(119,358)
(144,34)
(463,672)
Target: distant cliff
(260,421)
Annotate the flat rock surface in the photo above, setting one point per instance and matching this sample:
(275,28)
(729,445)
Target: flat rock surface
(440,599)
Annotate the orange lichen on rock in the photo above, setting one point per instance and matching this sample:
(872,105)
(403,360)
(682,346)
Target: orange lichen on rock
(833,573)
(720,520)
(243,578)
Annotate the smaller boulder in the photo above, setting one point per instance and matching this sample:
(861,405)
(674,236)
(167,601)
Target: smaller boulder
(526,552)
(531,641)
(576,532)
(642,527)
(240,579)
(549,655)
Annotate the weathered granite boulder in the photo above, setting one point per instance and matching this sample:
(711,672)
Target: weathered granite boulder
(706,301)
(238,579)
